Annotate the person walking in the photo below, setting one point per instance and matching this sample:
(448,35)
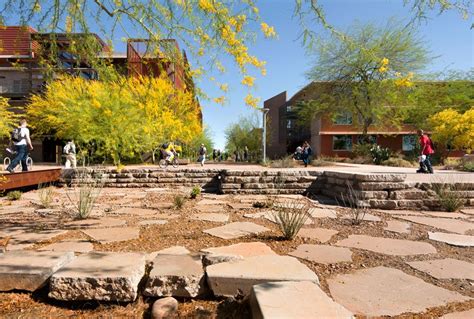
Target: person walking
(427,149)
(21,140)
(307,151)
(70,151)
(246,154)
(202,154)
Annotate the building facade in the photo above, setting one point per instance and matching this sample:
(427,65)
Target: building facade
(22,72)
(328,136)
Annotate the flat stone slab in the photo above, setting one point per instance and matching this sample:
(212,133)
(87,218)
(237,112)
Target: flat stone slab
(388,246)
(236,230)
(103,276)
(96,223)
(22,240)
(293,299)
(210,208)
(240,205)
(174,250)
(215,255)
(175,276)
(322,213)
(110,235)
(453,239)
(75,246)
(397,227)
(152,222)
(400,212)
(322,254)
(321,234)
(468,211)
(134,211)
(227,278)
(451,225)
(445,215)
(210,202)
(211,217)
(468,314)
(30,270)
(383,291)
(367,218)
(445,268)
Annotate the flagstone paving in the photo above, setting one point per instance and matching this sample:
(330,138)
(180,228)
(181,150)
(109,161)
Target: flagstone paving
(388,246)
(468,211)
(110,235)
(322,213)
(294,300)
(446,215)
(468,314)
(227,278)
(210,208)
(236,230)
(383,291)
(22,240)
(451,225)
(211,217)
(452,239)
(445,268)
(77,246)
(366,217)
(397,227)
(400,212)
(210,202)
(322,254)
(240,205)
(152,222)
(134,211)
(99,276)
(29,270)
(321,234)
(214,255)
(96,223)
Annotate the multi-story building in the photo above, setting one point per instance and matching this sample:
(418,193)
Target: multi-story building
(327,136)
(22,72)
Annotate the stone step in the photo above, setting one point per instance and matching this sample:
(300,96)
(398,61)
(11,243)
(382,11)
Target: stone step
(106,276)
(30,270)
(229,278)
(293,299)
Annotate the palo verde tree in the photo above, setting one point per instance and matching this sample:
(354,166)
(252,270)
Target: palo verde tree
(7,119)
(245,132)
(210,29)
(368,75)
(122,118)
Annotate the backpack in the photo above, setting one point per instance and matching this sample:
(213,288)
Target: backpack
(16,135)
(66,149)
(165,145)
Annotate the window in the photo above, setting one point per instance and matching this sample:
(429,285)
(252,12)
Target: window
(288,108)
(372,139)
(409,142)
(343,119)
(342,142)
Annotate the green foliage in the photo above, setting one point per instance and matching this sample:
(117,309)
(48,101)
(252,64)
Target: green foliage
(398,162)
(7,119)
(246,132)
(284,162)
(178,201)
(362,150)
(290,217)
(195,192)
(14,195)
(449,199)
(468,166)
(86,194)
(191,149)
(380,154)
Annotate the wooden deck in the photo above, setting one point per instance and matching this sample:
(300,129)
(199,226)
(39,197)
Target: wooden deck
(31,178)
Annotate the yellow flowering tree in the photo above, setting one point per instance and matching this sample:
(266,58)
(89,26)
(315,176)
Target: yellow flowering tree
(7,119)
(121,118)
(452,129)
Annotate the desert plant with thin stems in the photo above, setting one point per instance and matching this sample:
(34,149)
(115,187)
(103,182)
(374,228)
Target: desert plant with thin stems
(46,194)
(353,200)
(290,217)
(195,192)
(178,201)
(14,195)
(449,195)
(85,195)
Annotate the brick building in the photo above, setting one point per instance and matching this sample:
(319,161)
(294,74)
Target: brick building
(327,136)
(23,74)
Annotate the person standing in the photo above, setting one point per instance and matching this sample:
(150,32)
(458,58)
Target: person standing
(21,140)
(246,154)
(307,151)
(202,154)
(427,150)
(70,151)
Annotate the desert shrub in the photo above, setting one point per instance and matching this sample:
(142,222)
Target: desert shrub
(449,199)
(195,192)
(285,162)
(290,217)
(268,203)
(379,154)
(46,194)
(85,195)
(468,166)
(353,200)
(398,162)
(452,163)
(321,162)
(362,150)
(178,201)
(14,195)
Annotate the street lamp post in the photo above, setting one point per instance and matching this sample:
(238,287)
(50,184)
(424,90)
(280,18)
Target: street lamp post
(264,138)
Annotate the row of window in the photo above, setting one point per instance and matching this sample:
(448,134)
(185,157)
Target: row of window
(344,142)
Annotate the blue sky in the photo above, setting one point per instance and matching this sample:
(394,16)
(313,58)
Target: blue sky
(448,36)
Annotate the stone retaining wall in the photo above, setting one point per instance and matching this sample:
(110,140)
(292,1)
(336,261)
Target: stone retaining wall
(383,191)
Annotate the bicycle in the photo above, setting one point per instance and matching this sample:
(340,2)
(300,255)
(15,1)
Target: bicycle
(7,160)
(163,163)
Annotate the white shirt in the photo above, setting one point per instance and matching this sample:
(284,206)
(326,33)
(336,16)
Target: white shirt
(25,134)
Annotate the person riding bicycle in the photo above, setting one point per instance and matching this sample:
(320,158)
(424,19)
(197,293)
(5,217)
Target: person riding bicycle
(169,151)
